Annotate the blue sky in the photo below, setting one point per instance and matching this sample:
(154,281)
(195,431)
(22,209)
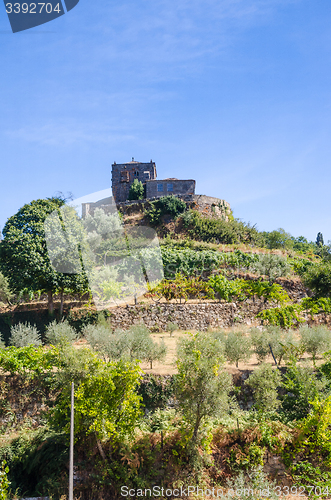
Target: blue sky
(233,93)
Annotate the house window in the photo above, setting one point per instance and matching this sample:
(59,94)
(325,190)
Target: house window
(124,176)
(160,188)
(170,187)
(136,174)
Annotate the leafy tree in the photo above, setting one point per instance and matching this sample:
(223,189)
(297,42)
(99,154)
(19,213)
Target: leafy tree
(107,404)
(302,385)
(172,327)
(264,382)
(155,352)
(136,191)
(315,340)
(237,347)
(278,239)
(201,385)
(23,335)
(260,343)
(319,240)
(24,255)
(318,279)
(5,292)
(280,341)
(133,344)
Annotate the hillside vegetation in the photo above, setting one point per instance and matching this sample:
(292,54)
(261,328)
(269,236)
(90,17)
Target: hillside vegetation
(208,424)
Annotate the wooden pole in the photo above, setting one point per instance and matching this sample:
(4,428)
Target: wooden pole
(71,459)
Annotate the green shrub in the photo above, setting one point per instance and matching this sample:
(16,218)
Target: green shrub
(24,334)
(156,391)
(60,333)
(315,339)
(29,361)
(103,341)
(4,482)
(318,279)
(316,305)
(264,381)
(272,266)
(190,262)
(217,230)
(285,316)
(237,347)
(278,239)
(249,486)
(225,288)
(166,205)
(136,191)
(181,288)
(302,385)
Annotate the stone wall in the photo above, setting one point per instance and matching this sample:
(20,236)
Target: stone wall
(188,316)
(206,205)
(174,187)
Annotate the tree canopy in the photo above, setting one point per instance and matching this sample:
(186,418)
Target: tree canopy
(24,256)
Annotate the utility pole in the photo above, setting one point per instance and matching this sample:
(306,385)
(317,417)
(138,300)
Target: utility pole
(71,458)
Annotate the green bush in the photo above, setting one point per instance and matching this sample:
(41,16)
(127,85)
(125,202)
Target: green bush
(220,231)
(136,191)
(248,486)
(303,385)
(4,482)
(156,391)
(225,288)
(237,347)
(318,279)
(278,239)
(24,334)
(166,205)
(272,266)
(264,381)
(60,333)
(103,341)
(285,316)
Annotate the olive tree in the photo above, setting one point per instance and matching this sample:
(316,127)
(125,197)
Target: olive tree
(237,347)
(315,340)
(201,385)
(24,334)
(264,382)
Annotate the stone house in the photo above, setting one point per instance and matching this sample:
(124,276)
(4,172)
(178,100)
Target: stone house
(123,175)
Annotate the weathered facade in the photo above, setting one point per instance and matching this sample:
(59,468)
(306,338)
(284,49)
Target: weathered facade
(156,188)
(123,175)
